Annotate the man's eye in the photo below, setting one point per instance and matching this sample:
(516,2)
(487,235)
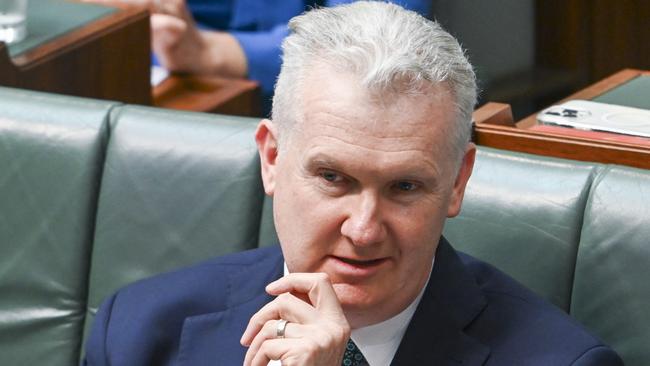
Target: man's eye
(331,177)
(406,186)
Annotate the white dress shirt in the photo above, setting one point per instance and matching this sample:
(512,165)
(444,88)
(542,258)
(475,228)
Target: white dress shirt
(379,342)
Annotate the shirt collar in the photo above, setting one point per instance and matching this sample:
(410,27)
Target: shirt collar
(379,342)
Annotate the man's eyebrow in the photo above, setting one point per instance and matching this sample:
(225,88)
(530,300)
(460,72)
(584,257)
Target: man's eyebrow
(321,160)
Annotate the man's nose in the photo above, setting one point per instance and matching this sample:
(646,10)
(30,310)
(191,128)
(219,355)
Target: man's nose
(364,225)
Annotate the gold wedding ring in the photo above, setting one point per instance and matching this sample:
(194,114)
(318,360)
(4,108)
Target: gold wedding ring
(282,325)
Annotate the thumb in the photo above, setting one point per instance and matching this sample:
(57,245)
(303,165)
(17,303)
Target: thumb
(166,31)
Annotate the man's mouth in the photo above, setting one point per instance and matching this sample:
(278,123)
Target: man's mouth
(354,267)
(361,263)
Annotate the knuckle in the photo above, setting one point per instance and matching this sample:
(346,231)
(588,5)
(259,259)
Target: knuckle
(269,327)
(338,330)
(291,361)
(335,335)
(284,298)
(322,277)
(311,346)
(260,355)
(342,335)
(326,341)
(264,348)
(282,304)
(258,321)
(264,352)
(344,332)
(255,320)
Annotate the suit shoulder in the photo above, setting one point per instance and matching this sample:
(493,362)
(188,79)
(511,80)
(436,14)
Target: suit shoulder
(201,287)
(491,280)
(536,329)
(208,272)
(143,321)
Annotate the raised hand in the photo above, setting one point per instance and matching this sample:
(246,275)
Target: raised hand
(316,330)
(182,47)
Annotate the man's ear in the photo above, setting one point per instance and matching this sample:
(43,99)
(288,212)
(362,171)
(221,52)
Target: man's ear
(266,138)
(464,173)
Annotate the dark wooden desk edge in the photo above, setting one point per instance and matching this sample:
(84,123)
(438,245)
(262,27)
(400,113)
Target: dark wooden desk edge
(500,133)
(89,61)
(209,94)
(86,33)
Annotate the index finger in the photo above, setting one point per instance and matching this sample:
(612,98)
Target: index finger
(317,287)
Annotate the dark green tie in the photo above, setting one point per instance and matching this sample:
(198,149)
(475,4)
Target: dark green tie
(353,356)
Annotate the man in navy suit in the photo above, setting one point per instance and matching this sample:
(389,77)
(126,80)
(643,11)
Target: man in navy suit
(367,154)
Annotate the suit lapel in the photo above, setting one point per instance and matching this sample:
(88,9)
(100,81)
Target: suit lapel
(435,335)
(213,338)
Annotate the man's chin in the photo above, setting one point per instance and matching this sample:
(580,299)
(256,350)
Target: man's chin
(354,298)
(365,306)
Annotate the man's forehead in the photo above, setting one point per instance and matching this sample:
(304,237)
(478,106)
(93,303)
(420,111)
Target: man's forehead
(342,103)
(372,136)
(327,83)
(335,104)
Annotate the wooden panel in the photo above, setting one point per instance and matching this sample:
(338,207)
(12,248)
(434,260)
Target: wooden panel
(106,59)
(495,114)
(621,34)
(209,94)
(563,34)
(593,39)
(557,145)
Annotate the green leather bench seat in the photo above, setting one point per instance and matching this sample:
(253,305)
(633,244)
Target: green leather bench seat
(51,156)
(94,195)
(177,188)
(523,214)
(611,291)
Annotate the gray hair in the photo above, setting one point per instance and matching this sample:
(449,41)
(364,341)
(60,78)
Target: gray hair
(387,46)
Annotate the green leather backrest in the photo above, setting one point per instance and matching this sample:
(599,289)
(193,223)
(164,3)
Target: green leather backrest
(51,154)
(611,293)
(523,213)
(177,188)
(94,196)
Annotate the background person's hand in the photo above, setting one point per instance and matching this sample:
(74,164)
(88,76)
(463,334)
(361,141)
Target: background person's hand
(181,46)
(317,330)
(175,38)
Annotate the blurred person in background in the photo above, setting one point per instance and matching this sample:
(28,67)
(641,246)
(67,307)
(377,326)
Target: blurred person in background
(230,38)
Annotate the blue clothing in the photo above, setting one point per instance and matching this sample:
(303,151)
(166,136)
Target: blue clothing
(470,314)
(261,25)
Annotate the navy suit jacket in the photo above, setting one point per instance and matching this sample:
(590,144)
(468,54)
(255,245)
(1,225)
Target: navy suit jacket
(470,314)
